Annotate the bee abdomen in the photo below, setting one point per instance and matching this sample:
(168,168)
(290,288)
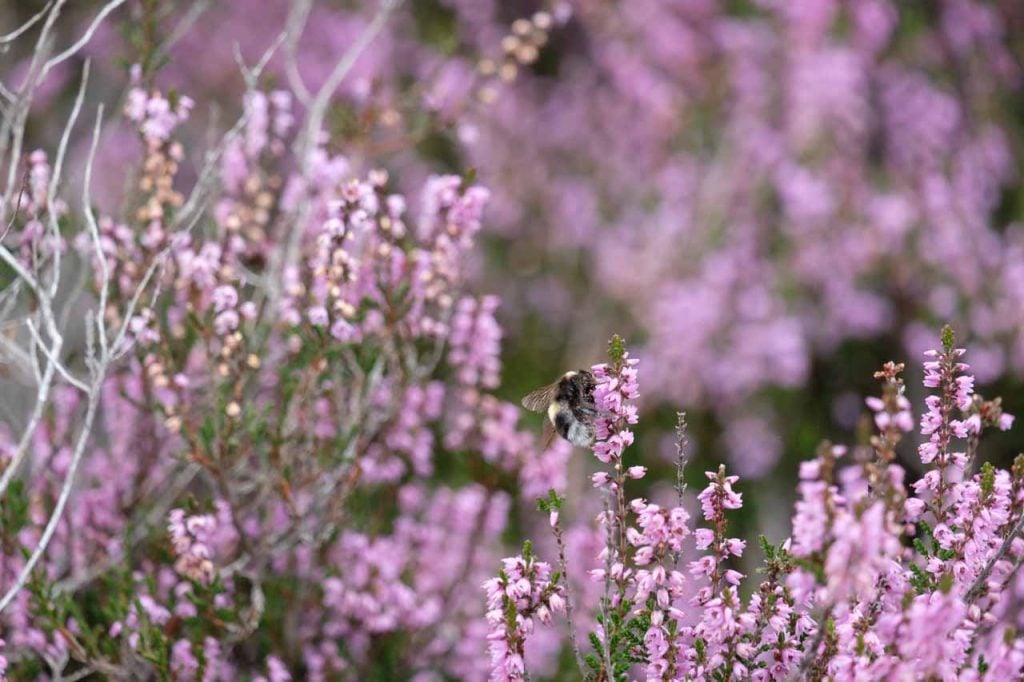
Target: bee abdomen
(563,421)
(581,434)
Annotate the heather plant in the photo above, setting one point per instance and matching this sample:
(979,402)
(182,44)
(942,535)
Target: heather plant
(877,580)
(255,418)
(800,185)
(251,400)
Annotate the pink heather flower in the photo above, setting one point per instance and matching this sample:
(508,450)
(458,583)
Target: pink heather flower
(344,331)
(659,531)
(39,180)
(317,316)
(475,342)
(636,472)
(810,520)
(226,322)
(190,537)
(184,664)
(524,588)
(224,297)
(704,537)
(861,551)
(902,419)
(944,373)
(719,496)
(276,670)
(913,508)
(154,115)
(154,611)
(611,393)
(135,105)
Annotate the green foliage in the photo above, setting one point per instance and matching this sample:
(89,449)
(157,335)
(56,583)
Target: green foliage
(553,502)
(142,32)
(921,581)
(766,547)
(436,24)
(13,510)
(988,479)
(948,339)
(625,641)
(616,350)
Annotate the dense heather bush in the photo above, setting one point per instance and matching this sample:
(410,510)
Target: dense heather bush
(876,581)
(255,458)
(797,185)
(254,416)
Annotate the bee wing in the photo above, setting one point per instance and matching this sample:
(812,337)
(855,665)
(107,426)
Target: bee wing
(549,434)
(538,401)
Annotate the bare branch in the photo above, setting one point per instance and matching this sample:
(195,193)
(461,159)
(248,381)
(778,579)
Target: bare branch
(296,24)
(976,587)
(15,353)
(94,232)
(86,37)
(139,533)
(195,204)
(250,76)
(65,492)
(61,369)
(58,166)
(13,35)
(12,130)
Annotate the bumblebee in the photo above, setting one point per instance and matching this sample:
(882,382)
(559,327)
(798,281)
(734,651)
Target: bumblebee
(569,404)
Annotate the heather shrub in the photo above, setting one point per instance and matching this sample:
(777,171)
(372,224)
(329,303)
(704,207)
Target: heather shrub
(877,580)
(274,276)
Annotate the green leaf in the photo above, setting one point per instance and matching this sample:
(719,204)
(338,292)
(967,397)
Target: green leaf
(948,338)
(988,479)
(616,349)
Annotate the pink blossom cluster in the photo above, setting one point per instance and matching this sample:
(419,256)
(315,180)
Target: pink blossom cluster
(190,537)
(37,240)
(612,396)
(155,115)
(524,590)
